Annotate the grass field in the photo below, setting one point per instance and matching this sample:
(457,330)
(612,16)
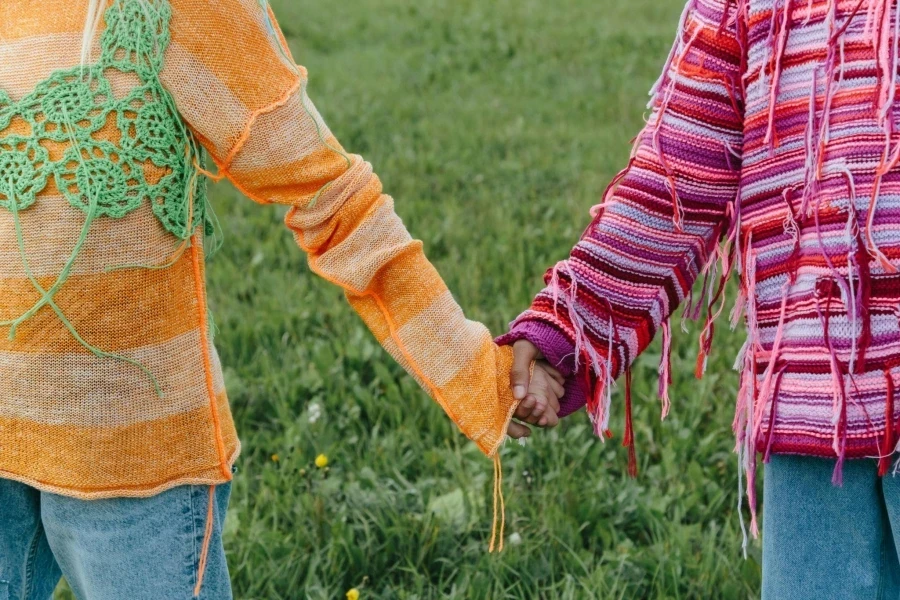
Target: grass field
(495,126)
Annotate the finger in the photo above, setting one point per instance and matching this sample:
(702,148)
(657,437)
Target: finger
(552,388)
(524,409)
(554,404)
(524,353)
(540,406)
(517,430)
(557,388)
(539,393)
(550,419)
(552,372)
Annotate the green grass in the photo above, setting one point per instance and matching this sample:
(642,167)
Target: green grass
(495,126)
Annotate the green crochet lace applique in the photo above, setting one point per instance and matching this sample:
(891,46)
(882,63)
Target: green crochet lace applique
(150,158)
(135,40)
(106,155)
(6,110)
(25,167)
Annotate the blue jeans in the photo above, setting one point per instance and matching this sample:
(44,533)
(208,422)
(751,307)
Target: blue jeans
(822,542)
(119,549)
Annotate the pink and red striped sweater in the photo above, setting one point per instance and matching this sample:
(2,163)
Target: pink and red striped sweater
(771,152)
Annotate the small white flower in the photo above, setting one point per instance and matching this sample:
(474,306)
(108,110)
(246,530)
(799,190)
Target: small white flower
(515,539)
(315,412)
(523,441)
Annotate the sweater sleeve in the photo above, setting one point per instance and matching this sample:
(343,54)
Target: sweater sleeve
(234,82)
(659,225)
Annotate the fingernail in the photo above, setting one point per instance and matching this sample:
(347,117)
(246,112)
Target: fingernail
(519,392)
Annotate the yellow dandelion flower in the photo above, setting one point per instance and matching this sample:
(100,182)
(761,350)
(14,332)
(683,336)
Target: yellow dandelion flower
(275,458)
(321,461)
(353,594)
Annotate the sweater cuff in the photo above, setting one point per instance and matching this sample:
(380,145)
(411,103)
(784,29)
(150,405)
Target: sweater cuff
(558,351)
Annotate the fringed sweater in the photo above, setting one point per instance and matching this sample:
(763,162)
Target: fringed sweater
(772,154)
(110,384)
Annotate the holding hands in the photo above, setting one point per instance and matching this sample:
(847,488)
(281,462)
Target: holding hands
(537,386)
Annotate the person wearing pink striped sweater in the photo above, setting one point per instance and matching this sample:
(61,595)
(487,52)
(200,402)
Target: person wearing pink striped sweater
(771,155)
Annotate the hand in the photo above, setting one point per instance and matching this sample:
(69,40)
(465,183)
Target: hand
(539,391)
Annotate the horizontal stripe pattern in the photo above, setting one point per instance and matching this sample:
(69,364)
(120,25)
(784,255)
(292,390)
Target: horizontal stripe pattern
(117,311)
(75,460)
(762,156)
(25,62)
(92,391)
(136,239)
(355,239)
(198,89)
(82,416)
(94,420)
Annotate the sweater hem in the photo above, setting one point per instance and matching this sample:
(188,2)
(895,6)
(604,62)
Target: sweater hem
(807,444)
(142,491)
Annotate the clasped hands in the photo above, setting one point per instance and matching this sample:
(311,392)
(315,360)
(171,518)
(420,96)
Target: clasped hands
(538,390)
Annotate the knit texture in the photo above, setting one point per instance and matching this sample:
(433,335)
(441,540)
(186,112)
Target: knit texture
(771,153)
(110,384)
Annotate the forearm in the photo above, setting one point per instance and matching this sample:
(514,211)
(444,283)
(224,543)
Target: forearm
(353,237)
(661,222)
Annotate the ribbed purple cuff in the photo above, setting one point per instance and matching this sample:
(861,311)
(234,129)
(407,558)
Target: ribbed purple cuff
(558,351)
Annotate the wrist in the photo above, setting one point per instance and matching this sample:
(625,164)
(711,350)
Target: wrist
(550,342)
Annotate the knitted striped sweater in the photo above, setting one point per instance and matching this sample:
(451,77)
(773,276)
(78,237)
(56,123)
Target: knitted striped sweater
(109,381)
(771,152)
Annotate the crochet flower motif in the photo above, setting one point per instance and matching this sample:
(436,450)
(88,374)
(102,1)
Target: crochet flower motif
(145,120)
(24,169)
(177,217)
(116,153)
(69,103)
(136,37)
(100,175)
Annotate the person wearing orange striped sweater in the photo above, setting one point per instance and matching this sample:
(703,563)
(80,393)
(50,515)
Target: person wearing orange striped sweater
(117,445)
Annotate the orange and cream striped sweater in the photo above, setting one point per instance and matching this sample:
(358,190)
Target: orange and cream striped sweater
(109,382)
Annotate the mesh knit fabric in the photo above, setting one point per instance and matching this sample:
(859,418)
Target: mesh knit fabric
(109,382)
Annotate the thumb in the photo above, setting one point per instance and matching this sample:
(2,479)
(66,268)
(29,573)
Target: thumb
(524,353)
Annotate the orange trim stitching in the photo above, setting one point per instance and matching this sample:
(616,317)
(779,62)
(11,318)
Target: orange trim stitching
(245,135)
(207,363)
(498,495)
(207,538)
(224,172)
